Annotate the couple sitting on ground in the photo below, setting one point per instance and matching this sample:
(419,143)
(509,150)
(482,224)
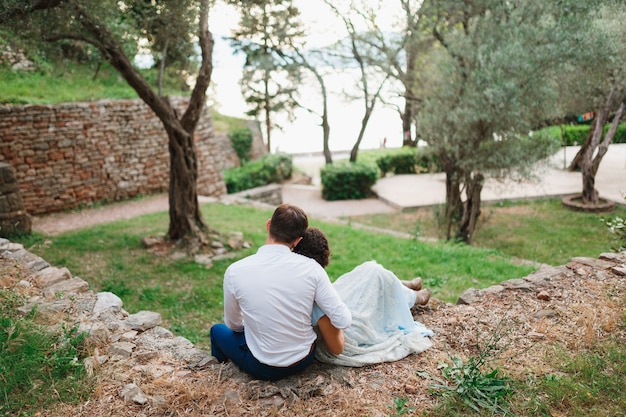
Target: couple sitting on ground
(276,299)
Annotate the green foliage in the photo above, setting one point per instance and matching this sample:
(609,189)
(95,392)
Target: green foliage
(468,385)
(400,407)
(347,181)
(409,161)
(241,140)
(37,368)
(270,169)
(268,31)
(577,134)
(617,227)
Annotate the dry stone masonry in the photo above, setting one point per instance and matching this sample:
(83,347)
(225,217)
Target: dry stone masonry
(74,154)
(13,217)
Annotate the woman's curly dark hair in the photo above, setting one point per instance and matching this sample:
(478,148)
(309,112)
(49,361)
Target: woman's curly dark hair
(314,245)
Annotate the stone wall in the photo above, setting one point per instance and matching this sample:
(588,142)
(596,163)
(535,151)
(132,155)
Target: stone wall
(75,154)
(13,217)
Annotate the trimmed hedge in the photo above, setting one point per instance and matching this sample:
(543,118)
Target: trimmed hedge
(347,181)
(270,169)
(576,134)
(409,161)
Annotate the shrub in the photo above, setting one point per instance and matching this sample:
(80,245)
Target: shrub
(409,161)
(241,141)
(347,181)
(271,168)
(577,134)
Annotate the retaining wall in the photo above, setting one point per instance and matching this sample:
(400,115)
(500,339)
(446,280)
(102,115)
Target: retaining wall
(75,154)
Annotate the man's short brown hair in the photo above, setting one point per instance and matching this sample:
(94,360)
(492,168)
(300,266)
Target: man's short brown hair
(288,223)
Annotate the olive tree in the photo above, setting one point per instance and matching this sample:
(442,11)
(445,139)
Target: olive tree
(493,81)
(108,26)
(597,82)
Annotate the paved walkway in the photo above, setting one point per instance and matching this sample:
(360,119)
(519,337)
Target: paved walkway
(404,192)
(397,192)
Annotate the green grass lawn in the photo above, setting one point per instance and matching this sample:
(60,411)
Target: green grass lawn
(189,296)
(540,230)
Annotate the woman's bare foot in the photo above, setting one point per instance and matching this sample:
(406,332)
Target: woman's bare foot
(422,297)
(415,284)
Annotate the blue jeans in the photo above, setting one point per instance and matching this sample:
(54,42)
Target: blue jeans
(227,344)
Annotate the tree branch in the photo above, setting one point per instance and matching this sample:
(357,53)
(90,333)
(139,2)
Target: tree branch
(198,95)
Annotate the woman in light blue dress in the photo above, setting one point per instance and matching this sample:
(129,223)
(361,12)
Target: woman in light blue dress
(383,328)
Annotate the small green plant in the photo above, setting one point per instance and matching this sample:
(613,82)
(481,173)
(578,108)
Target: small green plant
(467,383)
(400,407)
(472,383)
(617,227)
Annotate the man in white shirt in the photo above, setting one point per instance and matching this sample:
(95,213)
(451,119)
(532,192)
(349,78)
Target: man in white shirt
(268,299)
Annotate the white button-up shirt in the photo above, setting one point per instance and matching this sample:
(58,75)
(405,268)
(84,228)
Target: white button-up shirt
(271,295)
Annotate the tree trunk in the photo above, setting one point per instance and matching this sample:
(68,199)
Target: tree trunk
(185,218)
(471,208)
(407,119)
(325,125)
(453,202)
(364,122)
(186,223)
(589,193)
(590,164)
(326,132)
(268,122)
(576,164)
(589,167)
(608,138)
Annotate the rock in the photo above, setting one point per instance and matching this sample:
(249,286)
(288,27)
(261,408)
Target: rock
(151,241)
(544,296)
(70,286)
(143,320)
(52,275)
(132,392)
(468,297)
(204,260)
(590,262)
(235,240)
(107,301)
(123,349)
(545,314)
(619,270)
